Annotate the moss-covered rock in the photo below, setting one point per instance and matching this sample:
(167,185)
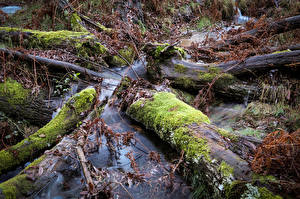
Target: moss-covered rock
(67,118)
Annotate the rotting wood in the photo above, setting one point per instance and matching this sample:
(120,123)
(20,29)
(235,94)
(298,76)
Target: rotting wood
(193,77)
(87,174)
(71,113)
(54,64)
(18,102)
(277,27)
(214,155)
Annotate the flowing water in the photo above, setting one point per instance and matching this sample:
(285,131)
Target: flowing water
(10,9)
(156,181)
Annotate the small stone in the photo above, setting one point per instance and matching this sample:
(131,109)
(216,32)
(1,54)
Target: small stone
(42,135)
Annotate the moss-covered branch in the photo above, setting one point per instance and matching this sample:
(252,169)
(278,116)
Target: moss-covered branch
(67,118)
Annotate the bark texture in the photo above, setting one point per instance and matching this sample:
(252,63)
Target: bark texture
(70,114)
(214,155)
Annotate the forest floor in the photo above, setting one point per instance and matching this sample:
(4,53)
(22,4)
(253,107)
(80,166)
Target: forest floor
(246,81)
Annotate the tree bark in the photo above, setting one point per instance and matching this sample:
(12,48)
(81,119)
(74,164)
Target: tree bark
(277,27)
(284,60)
(20,103)
(54,64)
(209,150)
(193,77)
(70,114)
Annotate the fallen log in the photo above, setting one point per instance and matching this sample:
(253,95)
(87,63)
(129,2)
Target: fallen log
(166,64)
(281,60)
(70,114)
(43,172)
(216,169)
(83,43)
(277,27)
(53,64)
(18,102)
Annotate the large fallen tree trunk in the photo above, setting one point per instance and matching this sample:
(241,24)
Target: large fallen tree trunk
(277,27)
(70,114)
(43,172)
(18,102)
(164,63)
(84,44)
(211,152)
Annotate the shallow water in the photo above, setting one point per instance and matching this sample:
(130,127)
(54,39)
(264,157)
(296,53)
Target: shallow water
(10,9)
(224,115)
(156,183)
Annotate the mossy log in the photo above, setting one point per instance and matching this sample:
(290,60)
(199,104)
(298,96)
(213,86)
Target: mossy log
(42,172)
(70,114)
(209,150)
(283,25)
(164,62)
(83,43)
(193,77)
(20,103)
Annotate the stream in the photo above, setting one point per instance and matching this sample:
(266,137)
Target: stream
(156,182)
(10,9)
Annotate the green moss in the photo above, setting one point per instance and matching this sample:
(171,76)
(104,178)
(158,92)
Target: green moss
(89,48)
(76,23)
(251,132)
(225,169)
(142,27)
(283,51)
(65,120)
(266,194)
(181,51)
(124,84)
(159,49)
(84,42)
(184,96)
(264,179)
(165,111)
(185,82)
(210,76)
(194,148)
(169,117)
(14,91)
(128,53)
(203,22)
(180,68)
(17,185)
(36,162)
(227,134)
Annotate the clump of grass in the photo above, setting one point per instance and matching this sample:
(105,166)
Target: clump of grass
(203,23)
